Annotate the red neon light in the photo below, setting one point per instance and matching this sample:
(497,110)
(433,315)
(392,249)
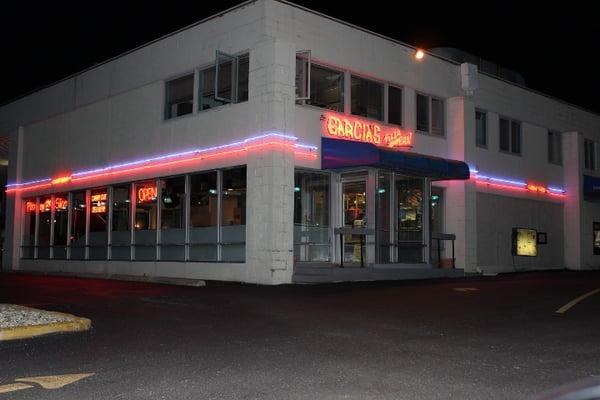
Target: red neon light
(537,188)
(60,203)
(62,179)
(366,131)
(30,206)
(98,201)
(46,205)
(146,194)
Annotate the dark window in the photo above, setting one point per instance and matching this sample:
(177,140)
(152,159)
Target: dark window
(204,216)
(78,221)
(589,155)
(121,223)
(44,228)
(437,117)
(504,135)
(173,217)
(326,88)
(98,224)
(145,220)
(596,238)
(367,98)
(554,148)
(422,113)
(243,70)
(233,215)
(311,217)
(61,222)
(515,137)
(28,231)
(180,96)
(481,128)
(395,105)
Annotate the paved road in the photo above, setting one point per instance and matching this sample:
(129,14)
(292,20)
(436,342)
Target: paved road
(386,340)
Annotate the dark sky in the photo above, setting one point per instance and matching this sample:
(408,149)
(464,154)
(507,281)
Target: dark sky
(554,47)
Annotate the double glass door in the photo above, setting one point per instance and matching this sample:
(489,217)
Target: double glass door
(354,198)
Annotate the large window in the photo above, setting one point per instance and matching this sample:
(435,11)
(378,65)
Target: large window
(200,217)
(326,88)
(311,217)
(554,148)
(510,136)
(233,215)
(98,240)
(173,218)
(481,128)
(78,225)
(146,213)
(589,154)
(121,223)
(204,206)
(366,98)
(179,96)
(430,115)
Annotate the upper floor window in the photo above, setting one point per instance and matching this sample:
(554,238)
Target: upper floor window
(481,128)
(510,136)
(222,83)
(367,98)
(318,86)
(554,148)
(394,105)
(179,96)
(430,114)
(589,154)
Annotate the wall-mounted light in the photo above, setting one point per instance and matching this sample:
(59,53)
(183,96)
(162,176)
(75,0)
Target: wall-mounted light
(419,54)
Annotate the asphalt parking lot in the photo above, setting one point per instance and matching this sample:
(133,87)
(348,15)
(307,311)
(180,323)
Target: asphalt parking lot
(473,338)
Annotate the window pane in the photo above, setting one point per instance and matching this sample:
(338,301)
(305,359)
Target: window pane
(207,90)
(395,105)
(233,215)
(61,221)
(515,140)
(121,236)
(326,88)
(28,231)
(409,194)
(367,98)
(145,220)
(554,147)
(98,224)
(422,113)
(311,217)
(77,239)
(225,75)
(243,69)
(302,60)
(180,96)
(383,217)
(203,217)
(504,135)
(44,229)
(173,219)
(481,128)
(437,116)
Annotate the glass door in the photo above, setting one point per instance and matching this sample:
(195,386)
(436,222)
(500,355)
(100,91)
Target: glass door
(354,207)
(409,195)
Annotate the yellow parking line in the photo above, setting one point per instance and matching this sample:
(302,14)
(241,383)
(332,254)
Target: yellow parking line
(570,304)
(13,387)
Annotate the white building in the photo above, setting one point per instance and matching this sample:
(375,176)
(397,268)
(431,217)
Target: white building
(235,148)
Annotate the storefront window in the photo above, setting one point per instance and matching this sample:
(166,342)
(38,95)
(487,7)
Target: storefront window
(44,229)
(409,193)
(146,194)
(78,217)
(355,216)
(233,215)
(203,217)
(382,212)
(28,231)
(98,224)
(61,222)
(172,219)
(121,230)
(311,217)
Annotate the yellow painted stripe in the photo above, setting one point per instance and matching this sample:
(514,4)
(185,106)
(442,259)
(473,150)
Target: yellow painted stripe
(570,304)
(13,387)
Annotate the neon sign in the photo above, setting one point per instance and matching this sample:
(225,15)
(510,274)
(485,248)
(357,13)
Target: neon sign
(60,203)
(30,206)
(98,203)
(146,194)
(511,184)
(366,131)
(45,205)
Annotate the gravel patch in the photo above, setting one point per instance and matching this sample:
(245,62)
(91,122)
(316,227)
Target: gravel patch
(12,316)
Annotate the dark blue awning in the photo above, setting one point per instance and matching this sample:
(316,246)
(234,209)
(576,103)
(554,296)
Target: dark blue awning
(338,153)
(591,186)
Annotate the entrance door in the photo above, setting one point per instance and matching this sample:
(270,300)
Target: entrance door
(409,195)
(355,213)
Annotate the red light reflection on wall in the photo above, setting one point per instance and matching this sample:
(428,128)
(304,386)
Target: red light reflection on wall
(366,131)
(146,194)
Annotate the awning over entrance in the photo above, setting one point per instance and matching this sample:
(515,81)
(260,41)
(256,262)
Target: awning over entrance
(591,186)
(338,153)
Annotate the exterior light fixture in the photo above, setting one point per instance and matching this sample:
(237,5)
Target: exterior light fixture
(419,54)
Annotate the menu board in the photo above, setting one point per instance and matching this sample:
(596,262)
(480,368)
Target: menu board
(524,242)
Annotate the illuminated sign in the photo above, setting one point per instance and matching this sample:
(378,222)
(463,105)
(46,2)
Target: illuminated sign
(60,203)
(30,206)
(524,242)
(537,188)
(146,194)
(62,179)
(45,205)
(366,131)
(98,201)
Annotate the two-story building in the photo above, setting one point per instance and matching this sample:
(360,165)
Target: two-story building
(273,144)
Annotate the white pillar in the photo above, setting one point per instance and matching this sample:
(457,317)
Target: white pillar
(12,231)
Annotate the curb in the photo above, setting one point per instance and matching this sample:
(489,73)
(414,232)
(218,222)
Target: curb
(76,324)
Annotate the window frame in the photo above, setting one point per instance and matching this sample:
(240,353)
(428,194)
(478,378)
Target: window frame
(485,133)
(430,99)
(589,163)
(510,151)
(386,105)
(167,113)
(383,85)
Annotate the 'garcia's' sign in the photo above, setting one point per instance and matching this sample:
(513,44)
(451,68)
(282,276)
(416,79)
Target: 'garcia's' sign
(363,130)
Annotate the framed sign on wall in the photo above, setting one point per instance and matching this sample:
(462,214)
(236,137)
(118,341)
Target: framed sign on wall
(524,242)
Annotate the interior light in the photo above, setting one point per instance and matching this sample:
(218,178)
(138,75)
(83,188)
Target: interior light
(296,189)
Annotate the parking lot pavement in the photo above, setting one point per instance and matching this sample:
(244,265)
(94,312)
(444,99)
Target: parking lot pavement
(476,338)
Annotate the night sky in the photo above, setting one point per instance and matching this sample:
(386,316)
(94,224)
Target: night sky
(553,47)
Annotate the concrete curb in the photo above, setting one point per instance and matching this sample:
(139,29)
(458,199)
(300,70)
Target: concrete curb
(76,324)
